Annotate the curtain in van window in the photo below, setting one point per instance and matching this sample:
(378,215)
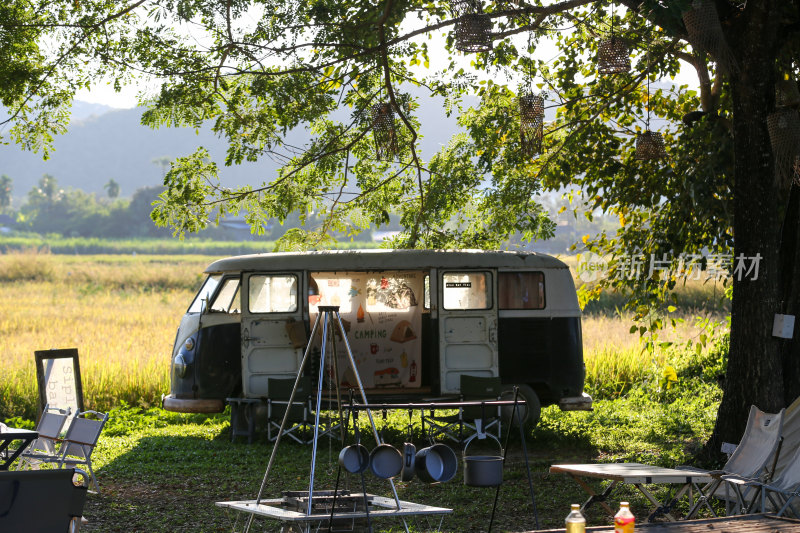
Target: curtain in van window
(382,314)
(521,290)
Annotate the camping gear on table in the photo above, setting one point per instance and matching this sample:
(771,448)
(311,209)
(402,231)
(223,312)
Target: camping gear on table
(483,470)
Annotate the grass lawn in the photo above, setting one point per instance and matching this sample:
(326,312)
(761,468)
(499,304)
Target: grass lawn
(163,472)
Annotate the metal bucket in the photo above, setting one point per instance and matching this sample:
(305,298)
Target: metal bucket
(354,458)
(483,470)
(436,464)
(385,461)
(409,461)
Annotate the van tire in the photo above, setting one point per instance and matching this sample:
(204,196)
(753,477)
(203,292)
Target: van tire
(530,408)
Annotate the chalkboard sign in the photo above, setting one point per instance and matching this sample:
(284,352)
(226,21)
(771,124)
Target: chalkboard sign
(59,375)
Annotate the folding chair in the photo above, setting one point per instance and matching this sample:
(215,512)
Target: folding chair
(777,496)
(49,428)
(751,460)
(476,419)
(77,445)
(279,391)
(42,501)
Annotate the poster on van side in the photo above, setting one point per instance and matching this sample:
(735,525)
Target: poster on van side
(382,314)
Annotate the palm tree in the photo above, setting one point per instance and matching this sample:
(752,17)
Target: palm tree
(112,188)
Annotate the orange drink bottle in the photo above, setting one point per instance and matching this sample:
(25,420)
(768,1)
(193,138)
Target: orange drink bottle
(575,521)
(624,520)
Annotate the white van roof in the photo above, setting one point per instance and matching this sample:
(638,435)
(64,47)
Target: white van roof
(382,259)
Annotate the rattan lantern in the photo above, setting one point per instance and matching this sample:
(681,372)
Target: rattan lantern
(783,126)
(383,131)
(613,56)
(531,123)
(705,33)
(787,93)
(650,145)
(473,30)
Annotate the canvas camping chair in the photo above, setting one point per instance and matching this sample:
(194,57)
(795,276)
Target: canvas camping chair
(78,443)
(751,460)
(791,438)
(778,495)
(42,501)
(49,427)
(279,391)
(469,420)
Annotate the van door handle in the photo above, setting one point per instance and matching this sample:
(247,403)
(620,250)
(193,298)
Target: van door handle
(246,338)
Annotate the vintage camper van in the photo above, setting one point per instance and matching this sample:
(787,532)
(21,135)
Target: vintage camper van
(416,320)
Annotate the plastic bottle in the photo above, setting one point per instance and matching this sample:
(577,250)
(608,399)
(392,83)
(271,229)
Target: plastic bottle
(624,521)
(575,521)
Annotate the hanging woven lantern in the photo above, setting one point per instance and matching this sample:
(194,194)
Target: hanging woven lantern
(705,33)
(784,136)
(650,145)
(787,94)
(384,132)
(473,31)
(613,56)
(531,123)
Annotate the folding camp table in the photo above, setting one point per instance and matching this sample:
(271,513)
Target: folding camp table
(9,435)
(635,474)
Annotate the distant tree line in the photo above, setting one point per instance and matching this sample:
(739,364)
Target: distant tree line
(50,209)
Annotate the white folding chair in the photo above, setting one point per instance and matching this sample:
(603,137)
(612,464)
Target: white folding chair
(750,461)
(77,445)
(778,495)
(49,428)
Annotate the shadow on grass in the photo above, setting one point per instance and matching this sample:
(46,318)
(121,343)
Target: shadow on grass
(169,478)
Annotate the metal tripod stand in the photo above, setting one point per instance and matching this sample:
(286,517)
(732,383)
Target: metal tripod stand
(330,318)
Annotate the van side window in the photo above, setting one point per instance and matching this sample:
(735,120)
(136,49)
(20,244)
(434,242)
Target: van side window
(205,293)
(272,294)
(467,290)
(521,290)
(227,300)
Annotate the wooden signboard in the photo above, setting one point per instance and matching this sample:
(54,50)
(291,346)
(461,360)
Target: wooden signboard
(58,373)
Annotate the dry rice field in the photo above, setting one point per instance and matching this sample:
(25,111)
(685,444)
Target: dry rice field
(122,312)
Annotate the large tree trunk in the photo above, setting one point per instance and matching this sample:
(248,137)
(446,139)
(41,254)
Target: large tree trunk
(755,371)
(790,288)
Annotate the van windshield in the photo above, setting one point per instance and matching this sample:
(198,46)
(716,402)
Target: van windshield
(227,299)
(205,293)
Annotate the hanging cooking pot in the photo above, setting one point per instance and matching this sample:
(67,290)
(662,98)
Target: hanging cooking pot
(409,460)
(354,458)
(385,461)
(436,464)
(483,470)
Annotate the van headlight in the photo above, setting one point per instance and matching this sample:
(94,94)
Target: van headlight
(179,365)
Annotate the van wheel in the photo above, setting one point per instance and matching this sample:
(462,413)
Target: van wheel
(529,409)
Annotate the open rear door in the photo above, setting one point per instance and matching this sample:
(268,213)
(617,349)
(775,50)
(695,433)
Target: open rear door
(273,333)
(467,326)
